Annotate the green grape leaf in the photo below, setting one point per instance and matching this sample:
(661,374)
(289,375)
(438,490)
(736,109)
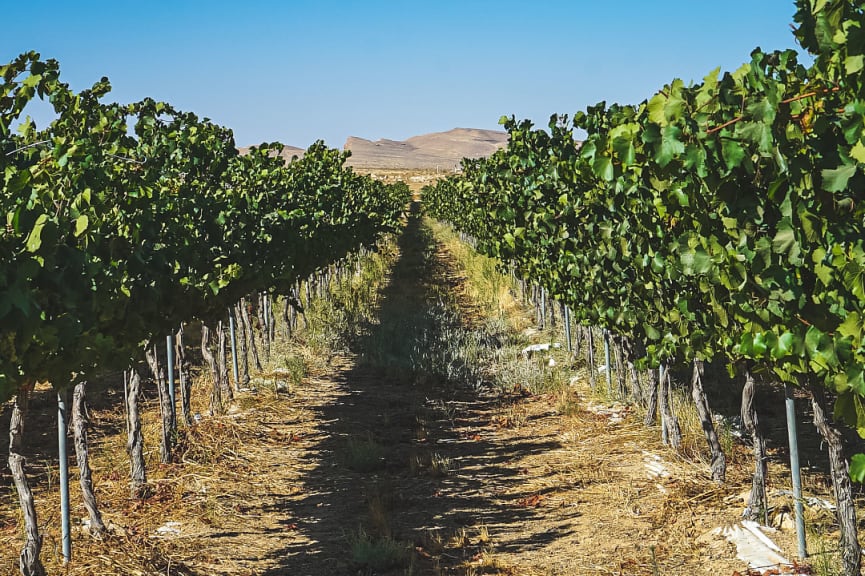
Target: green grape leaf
(34,239)
(81,224)
(785,346)
(857,468)
(836,180)
(785,238)
(820,349)
(858,152)
(696,262)
(853,64)
(733,153)
(670,145)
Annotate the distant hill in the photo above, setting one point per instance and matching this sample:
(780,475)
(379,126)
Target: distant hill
(442,150)
(429,151)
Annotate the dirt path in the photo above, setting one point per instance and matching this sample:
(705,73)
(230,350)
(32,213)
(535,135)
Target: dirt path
(389,462)
(445,481)
(476,481)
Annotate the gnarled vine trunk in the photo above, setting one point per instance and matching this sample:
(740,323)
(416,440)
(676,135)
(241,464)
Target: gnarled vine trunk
(756,509)
(578,341)
(250,333)
(134,437)
(542,309)
(82,455)
(652,400)
(286,320)
(295,299)
(629,349)
(566,325)
(207,354)
(166,409)
(263,324)
(619,352)
(242,347)
(719,461)
(28,562)
(845,511)
(221,389)
(591,356)
(271,320)
(307,303)
(671,433)
(222,360)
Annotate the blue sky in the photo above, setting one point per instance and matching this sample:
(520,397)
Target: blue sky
(298,71)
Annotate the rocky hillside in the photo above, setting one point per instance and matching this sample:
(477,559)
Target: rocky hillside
(441,150)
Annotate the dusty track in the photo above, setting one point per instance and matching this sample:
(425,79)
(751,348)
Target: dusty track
(469,479)
(528,490)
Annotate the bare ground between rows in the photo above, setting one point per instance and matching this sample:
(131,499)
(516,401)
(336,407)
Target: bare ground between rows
(471,481)
(525,490)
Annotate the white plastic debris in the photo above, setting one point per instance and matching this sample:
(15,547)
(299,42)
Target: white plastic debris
(529,350)
(616,413)
(756,530)
(754,546)
(655,466)
(602,368)
(551,362)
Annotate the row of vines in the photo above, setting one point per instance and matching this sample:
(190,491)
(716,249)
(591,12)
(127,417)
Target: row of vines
(720,221)
(123,222)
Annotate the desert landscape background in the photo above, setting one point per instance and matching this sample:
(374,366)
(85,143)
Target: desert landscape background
(438,151)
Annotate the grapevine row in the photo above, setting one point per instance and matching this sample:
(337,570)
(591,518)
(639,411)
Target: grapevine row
(124,221)
(718,221)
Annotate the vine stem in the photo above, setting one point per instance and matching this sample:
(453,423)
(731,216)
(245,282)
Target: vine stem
(124,158)
(28,146)
(787,101)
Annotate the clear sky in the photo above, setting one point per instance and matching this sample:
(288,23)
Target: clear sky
(297,71)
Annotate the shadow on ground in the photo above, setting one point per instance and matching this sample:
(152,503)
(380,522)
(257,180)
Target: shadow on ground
(417,418)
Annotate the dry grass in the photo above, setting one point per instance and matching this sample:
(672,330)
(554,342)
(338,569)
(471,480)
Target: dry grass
(390,471)
(208,489)
(601,470)
(224,474)
(481,282)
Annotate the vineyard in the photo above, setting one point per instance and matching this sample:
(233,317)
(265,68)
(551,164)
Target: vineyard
(123,224)
(457,381)
(716,222)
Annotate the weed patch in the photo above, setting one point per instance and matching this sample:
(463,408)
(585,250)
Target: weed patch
(363,454)
(377,554)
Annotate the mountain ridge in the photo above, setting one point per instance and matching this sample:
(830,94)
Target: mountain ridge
(436,150)
(442,150)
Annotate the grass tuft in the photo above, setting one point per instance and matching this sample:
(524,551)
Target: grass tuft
(377,554)
(363,454)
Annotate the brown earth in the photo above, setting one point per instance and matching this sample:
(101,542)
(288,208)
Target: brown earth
(469,481)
